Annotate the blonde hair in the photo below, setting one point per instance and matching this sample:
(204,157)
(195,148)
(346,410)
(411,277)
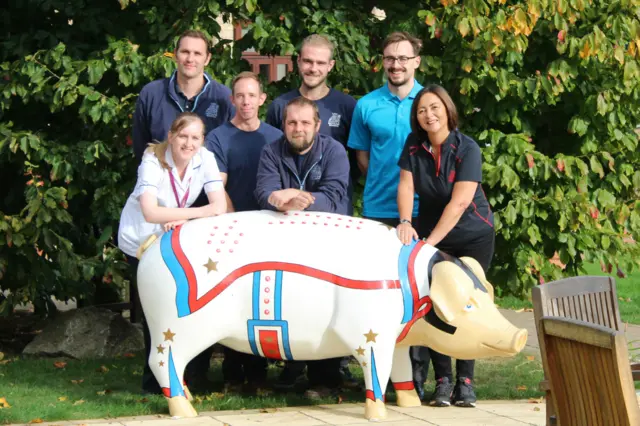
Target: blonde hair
(159,149)
(319,40)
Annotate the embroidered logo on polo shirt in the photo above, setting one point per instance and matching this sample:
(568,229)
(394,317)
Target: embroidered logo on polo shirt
(334,121)
(212,111)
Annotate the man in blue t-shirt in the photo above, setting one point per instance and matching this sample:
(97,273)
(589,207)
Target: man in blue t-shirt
(315,61)
(381,124)
(237,146)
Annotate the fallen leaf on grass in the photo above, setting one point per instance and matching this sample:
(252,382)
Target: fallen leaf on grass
(218,395)
(5,361)
(62,398)
(79,402)
(521,388)
(38,420)
(129,355)
(102,369)
(530,358)
(143,400)
(77,382)
(4,403)
(1,356)
(59,364)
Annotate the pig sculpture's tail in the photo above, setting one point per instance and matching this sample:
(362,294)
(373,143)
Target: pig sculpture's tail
(145,245)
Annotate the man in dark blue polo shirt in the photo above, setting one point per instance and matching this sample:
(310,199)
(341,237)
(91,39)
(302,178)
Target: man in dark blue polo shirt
(315,61)
(188,89)
(159,103)
(305,170)
(237,146)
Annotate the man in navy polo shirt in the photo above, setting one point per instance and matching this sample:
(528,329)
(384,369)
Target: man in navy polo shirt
(315,61)
(188,89)
(305,170)
(237,146)
(159,103)
(381,124)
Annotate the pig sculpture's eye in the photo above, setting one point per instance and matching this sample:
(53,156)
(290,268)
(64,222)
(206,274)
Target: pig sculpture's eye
(470,307)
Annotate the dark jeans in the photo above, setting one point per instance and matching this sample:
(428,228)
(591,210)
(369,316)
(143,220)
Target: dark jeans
(480,249)
(238,367)
(196,370)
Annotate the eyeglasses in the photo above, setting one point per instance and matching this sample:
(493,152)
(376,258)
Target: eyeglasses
(402,60)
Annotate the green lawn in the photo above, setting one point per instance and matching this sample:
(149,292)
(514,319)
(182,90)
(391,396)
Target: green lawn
(36,389)
(628,295)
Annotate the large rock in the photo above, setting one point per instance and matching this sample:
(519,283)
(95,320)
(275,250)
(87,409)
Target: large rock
(87,333)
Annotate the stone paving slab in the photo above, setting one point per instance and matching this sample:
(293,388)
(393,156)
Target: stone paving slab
(490,413)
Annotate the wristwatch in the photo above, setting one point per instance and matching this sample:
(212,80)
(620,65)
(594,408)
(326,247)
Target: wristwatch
(405,221)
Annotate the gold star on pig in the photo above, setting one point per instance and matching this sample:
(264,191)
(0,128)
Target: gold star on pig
(161,363)
(168,335)
(371,336)
(160,349)
(211,266)
(360,351)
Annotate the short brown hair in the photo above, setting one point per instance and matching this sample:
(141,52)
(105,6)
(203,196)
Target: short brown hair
(301,101)
(319,40)
(194,34)
(245,74)
(440,92)
(398,36)
(182,120)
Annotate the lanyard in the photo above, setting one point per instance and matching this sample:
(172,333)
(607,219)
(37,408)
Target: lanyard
(175,191)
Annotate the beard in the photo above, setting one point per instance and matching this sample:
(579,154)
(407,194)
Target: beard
(300,145)
(397,83)
(315,84)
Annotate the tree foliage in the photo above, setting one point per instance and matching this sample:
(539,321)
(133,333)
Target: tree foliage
(550,90)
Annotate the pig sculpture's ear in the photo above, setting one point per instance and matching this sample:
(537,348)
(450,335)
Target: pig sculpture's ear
(479,272)
(450,290)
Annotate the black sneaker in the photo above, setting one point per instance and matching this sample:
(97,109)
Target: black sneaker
(463,394)
(441,397)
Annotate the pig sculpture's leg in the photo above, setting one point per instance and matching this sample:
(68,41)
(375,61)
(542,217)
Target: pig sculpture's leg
(402,378)
(377,368)
(167,362)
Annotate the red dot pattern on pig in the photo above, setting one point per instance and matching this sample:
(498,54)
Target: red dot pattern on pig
(232,237)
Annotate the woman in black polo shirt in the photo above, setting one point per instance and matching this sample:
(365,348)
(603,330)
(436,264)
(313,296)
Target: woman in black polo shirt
(444,167)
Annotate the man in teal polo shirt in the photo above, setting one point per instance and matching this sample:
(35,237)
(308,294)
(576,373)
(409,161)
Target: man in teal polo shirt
(381,124)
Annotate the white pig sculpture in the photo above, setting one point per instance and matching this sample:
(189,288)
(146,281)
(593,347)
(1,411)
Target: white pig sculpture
(307,286)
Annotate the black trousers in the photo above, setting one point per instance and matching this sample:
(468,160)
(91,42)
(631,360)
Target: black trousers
(197,368)
(323,372)
(480,249)
(238,367)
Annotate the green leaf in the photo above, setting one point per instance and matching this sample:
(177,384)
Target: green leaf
(602,105)
(596,167)
(605,242)
(582,166)
(606,199)
(636,180)
(463,27)
(578,125)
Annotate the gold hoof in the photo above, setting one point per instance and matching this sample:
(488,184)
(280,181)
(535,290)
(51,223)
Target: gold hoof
(179,406)
(375,411)
(408,398)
